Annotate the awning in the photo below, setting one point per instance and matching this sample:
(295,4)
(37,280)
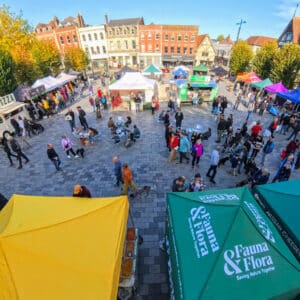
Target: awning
(261,84)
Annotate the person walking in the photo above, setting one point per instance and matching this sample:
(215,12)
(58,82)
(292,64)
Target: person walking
(295,131)
(173,144)
(67,145)
(178,117)
(70,117)
(82,118)
(53,156)
(17,149)
(6,149)
(258,144)
(250,109)
(184,148)
(267,149)
(197,152)
(16,126)
(289,160)
(214,160)
(117,170)
(221,128)
(92,104)
(127,179)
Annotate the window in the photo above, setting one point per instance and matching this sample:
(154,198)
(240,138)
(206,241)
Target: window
(166,49)
(121,30)
(150,48)
(75,38)
(95,36)
(204,53)
(112,46)
(157,36)
(90,37)
(101,36)
(68,39)
(172,50)
(184,50)
(118,44)
(173,38)
(179,38)
(192,38)
(83,37)
(178,50)
(156,48)
(87,50)
(98,49)
(149,36)
(142,36)
(125,31)
(191,50)
(133,44)
(92,50)
(186,38)
(104,49)
(143,48)
(61,40)
(132,31)
(126,44)
(166,37)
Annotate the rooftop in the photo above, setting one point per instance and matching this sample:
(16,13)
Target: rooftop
(259,40)
(129,21)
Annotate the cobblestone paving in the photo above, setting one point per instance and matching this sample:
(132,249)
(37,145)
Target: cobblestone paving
(148,159)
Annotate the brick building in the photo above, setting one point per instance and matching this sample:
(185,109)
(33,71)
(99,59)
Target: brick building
(150,45)
(63,34)
(179,44)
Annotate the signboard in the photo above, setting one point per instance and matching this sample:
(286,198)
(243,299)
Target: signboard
(37,91)
(7,99)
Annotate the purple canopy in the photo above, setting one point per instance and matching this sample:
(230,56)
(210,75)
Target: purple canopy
(276,88)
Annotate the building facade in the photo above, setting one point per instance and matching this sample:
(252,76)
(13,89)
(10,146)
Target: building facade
(205,53)
(256,42)
(123,41)
(223,51)
(179,44)
(93,42)
(291,33)
(64,34)
(150,45)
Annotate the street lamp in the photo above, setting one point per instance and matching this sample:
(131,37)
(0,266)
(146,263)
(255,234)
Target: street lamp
(239,30)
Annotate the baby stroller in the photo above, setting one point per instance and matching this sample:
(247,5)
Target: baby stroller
(120,131)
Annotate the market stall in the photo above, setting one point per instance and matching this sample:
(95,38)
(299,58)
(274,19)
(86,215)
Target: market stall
(220,242)
(201,69)
(132,84)
(64,78)
(281,203)
(50,83)
(62,247)
(152,69)
(260,85)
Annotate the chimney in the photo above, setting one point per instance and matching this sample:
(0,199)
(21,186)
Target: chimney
(56,21)
(106,19)
(80,20)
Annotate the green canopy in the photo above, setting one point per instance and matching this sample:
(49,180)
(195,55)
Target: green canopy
(261,84)
(152,69)
(222,246)
(281,202)
(201,68)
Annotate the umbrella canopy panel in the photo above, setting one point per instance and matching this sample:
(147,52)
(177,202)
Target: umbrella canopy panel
(261,84)
(276,88)
(293,95)
(201,68)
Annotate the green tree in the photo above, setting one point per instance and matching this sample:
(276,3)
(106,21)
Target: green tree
(287,65)
(8,82)
(241,56)
(76,59)
(46,57)
(263,62)
(220,37)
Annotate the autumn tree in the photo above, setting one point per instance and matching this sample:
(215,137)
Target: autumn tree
(220,37)
(286,65)
(46,56)
(241,56)
(76,59)
(8,82)
(263,62)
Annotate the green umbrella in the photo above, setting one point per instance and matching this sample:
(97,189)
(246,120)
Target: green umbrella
(201,68)
(261,84)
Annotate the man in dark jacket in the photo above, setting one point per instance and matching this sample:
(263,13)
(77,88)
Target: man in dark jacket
(118,170)
(222,125)
(16,126)
(82,118)
(70,117)
(15,147)
(81,191)
(178,118)
(53,156)
(4,144)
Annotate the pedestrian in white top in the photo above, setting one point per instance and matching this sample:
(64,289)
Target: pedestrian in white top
(214,160)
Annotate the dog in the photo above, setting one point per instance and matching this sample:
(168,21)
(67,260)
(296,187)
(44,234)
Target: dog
(80,152)
(223,160)
(242,183)
(206,135)
(250,167)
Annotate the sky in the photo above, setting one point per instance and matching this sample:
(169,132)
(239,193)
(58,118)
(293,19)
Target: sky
(263,17)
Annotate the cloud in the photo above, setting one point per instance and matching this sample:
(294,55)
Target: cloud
(286,9)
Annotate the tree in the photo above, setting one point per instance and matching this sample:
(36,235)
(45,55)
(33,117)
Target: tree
(220,37)
(8,82)
(76,59)
(46,56)
(241,56)
(287,65)
(263,62)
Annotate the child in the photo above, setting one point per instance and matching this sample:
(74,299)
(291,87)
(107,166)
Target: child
(235,162)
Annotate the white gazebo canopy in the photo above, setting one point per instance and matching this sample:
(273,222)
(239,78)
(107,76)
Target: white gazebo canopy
(50,83)
(65,78)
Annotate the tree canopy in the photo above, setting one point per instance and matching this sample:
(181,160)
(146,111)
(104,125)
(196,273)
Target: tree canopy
(76,59)
(8,82)
(241,57)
